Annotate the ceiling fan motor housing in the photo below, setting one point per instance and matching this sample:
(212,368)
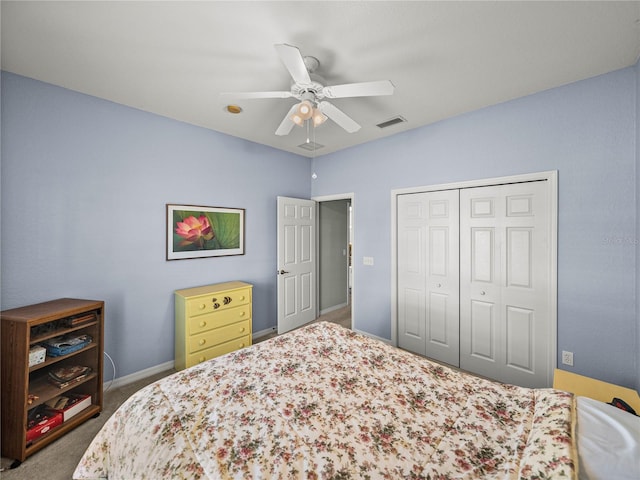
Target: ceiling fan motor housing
(302,91)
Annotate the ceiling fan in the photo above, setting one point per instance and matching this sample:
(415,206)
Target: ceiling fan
(311,91)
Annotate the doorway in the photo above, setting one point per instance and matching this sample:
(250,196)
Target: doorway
(335,253)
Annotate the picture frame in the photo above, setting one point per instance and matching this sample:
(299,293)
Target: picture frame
(195,231)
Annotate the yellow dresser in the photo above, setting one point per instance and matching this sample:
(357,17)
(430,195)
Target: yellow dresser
(211,320)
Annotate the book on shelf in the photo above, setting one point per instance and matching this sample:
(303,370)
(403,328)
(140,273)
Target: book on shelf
(40,420)
(69,404)
(80,319)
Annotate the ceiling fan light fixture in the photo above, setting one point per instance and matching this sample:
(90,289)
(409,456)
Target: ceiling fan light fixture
(305,109)
(297,119)
(318,117)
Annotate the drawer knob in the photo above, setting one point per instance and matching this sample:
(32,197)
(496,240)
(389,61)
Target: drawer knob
(241,297)
(201,359)
(202,306)
(242,345)
(203,323)
(202,341)
(242,313)
(242,329)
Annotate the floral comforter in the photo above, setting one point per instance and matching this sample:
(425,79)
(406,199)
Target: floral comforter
(325,402)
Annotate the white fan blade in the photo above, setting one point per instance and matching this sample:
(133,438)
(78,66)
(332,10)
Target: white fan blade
(365,89)
(338,116)
(292,59)
(250,95)
(287,124)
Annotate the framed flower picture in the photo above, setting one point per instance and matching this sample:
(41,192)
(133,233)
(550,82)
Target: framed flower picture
(195,231)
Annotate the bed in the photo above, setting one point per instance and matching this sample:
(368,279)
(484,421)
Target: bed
(326,402)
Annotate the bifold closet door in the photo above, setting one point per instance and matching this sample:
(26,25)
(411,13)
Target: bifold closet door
(505,282)
(428,274)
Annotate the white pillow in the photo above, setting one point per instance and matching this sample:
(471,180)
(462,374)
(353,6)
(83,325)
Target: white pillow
(608,442)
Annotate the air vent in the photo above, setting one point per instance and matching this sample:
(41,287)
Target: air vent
(392,121)
(311,146)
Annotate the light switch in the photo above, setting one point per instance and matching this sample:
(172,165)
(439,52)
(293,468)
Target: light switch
(367,260)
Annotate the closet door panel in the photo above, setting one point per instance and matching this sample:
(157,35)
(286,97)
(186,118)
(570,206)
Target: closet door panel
(520,340)
(482,328)
(412,273)
(428,274)
(482,255)
(443,277)
(519,257)
(509,268)
(414,314)
(479,282)
(438,309)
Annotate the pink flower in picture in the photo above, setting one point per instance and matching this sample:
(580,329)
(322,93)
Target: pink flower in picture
(194,230)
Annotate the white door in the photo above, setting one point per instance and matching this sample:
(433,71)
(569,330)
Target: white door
(505,261)
(296,243)
(428,274)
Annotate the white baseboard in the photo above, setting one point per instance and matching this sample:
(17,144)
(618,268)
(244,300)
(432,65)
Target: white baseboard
(262,333)
(335,307)
(134,377)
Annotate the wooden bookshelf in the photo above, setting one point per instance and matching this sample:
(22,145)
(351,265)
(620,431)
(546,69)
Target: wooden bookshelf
(24,327)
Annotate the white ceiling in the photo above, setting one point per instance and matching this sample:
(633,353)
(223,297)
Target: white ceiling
(444,58)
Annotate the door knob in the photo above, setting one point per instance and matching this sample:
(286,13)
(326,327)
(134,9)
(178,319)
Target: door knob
(482,293)
(282,272)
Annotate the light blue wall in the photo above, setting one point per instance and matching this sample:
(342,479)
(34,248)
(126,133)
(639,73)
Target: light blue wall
(586,131)
(85,183)
(84,188)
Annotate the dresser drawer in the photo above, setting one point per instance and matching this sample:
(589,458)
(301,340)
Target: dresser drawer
(208,354)
(215,302)
(204,323)
(219,335)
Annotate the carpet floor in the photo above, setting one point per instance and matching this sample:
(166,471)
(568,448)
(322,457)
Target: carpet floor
(58,460)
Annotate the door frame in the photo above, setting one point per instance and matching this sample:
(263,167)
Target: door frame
(551,177)
(327,198)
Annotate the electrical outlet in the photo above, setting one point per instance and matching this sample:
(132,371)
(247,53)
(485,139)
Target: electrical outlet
(567,358)
(367,260)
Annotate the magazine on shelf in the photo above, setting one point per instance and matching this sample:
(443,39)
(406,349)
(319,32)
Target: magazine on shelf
(64,376)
